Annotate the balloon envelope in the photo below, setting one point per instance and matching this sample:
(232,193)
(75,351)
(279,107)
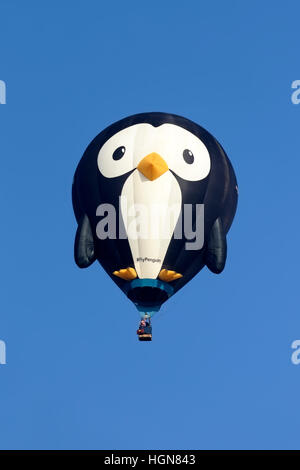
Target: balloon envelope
(154,196)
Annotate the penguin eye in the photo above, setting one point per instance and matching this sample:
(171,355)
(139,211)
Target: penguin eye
(188,156)
(119,153)
(185,153)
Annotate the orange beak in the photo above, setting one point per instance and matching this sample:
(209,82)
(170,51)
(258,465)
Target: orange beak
(152,166)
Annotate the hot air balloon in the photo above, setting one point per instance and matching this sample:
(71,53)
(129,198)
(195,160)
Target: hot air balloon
(154,196)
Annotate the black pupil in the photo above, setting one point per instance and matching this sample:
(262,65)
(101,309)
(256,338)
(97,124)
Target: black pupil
(188,156)
(118,153)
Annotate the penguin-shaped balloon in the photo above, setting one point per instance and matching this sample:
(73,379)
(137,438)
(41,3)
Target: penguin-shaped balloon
(154,196)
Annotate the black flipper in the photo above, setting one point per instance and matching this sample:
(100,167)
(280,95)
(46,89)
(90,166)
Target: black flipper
(216,250)
(84,249)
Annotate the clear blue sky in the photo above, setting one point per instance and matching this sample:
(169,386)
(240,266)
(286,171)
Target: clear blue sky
(218,373)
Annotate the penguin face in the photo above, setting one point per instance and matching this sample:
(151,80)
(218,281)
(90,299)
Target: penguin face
(153,151)
(150,161)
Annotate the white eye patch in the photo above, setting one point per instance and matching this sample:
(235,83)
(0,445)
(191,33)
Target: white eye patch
(184,153)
